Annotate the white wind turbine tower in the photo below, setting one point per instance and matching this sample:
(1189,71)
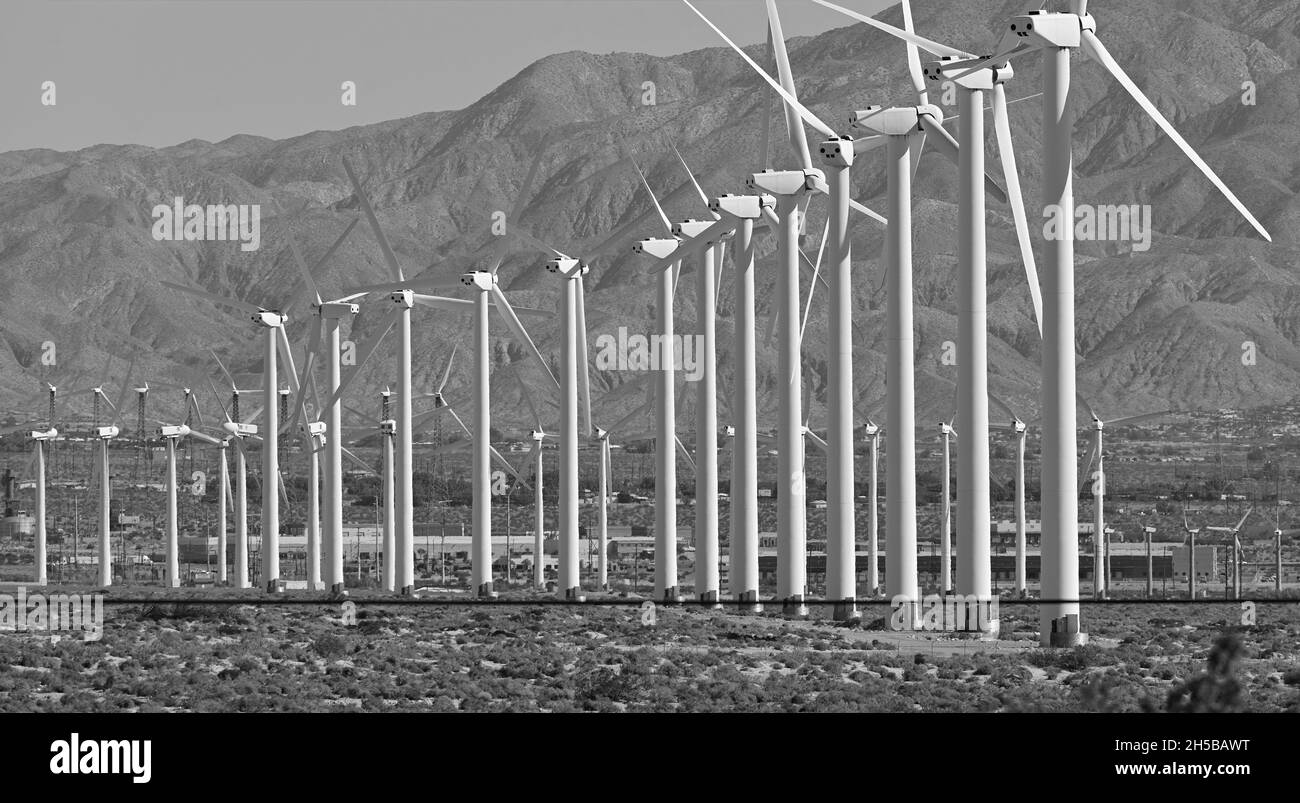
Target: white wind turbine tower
(1191,554)
(488,294)
(1019,429)
(538,435)
(480,433)
(403,298)
(791,188)
(1236,551)
(946,433)
(172,433)
(1056,35)
(276,343)
(40,438)
(1098,477)
(738,214)
(236,432)
(670,252)
(973,508)
(105,434)
(312,437)
(871,432)
(327,318)
(224,497)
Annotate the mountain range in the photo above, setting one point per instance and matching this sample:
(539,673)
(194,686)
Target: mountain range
(1171,327)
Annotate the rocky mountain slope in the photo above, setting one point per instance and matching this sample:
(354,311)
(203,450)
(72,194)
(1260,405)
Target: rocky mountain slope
(1156,329)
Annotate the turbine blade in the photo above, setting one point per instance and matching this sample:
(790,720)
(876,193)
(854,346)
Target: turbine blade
(242,306)
(929,45)
(947,145)
(365,351)
(668,226)
(584,371)
(790,99)
(513,323)
(1088,462)
(798,139)
(698,189)
(304,274)
(1098,51)
(369,211)
(1002,127)
(446,371)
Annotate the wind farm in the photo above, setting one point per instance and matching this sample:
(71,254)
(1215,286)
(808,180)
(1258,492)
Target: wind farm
(665,364)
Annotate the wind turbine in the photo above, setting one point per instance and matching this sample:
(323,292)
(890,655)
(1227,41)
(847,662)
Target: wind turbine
(1019,429)
(480,434)
(538,435)
(1100,574)
(327,318)
(1236,551)
(871,434)
(1056,35)
(276,344)
(791,189)
(403,298)
(105,434)
(1191,555)
(973,508)
(946,433)
(236,431)
(40,438)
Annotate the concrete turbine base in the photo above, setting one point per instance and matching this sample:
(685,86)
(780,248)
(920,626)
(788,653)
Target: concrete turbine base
(338,591)
(671,595)
(408,591)
(574,594)
(485,591)
(1064,633)
(749,602)
(846,611)
(794,607)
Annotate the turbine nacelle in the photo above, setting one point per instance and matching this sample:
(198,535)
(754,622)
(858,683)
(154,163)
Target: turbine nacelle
(691,228)
(536,434)
(178,431)
(45,435)
(269,318)
(479,280)
(786,182)
(982,79)
(313,428)
(871,430)
(729,431)
(657,247)
(1020,427)
(239,430)
(106,433)
(745,207)
(388,427)
(404,298)
(898,121)
(337,309)
(837,152)
(946,429)
(567,267)
(1052,28)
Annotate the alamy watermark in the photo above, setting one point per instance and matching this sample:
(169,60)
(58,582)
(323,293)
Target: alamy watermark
(961,613)
(77,756)
(1121,223)
(53,614)
(636,352)
(233,222)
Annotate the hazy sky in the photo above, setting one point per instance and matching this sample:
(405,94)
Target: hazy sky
(159,73)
